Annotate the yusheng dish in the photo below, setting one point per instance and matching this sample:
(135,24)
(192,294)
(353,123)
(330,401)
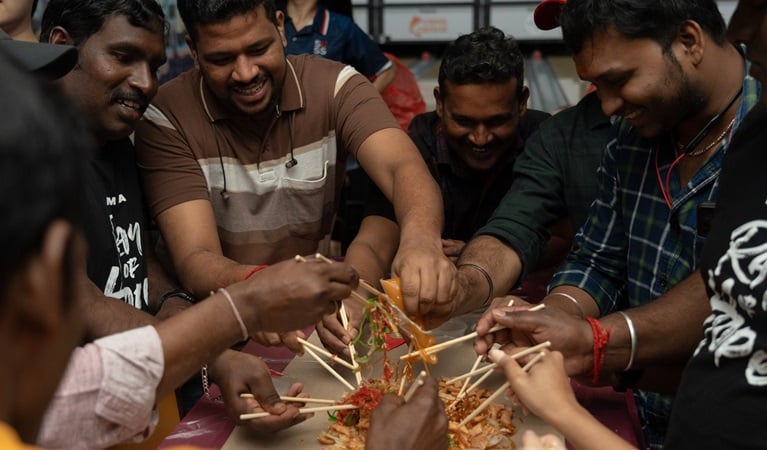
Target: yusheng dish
(491,429)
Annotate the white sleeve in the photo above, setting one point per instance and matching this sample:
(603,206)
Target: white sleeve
(107,394)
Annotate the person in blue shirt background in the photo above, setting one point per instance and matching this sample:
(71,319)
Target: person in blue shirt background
(327,29)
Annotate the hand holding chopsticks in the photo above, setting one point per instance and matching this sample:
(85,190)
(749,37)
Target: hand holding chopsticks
(439,347)
(345,323)
(259,415)
(497,392)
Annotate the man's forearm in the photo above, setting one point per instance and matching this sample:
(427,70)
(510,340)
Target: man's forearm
(205,271)
(373,249)
(105,315)
(159,281)
(667,329)
(498,260)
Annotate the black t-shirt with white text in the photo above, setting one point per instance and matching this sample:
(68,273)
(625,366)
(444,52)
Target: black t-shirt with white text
(722,399)
(115,220)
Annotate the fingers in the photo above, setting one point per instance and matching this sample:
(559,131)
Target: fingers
(279,420)
(333,335)
(266,396)
(290,340)
(510,366)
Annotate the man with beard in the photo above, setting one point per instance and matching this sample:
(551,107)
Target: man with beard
(470,143)
(243,157)
(720,402)
(680,90)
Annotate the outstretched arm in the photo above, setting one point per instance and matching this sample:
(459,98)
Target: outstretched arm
(191,233)
(392,161)
(545,390)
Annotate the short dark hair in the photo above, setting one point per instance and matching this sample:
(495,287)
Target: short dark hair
(486,56)
(658,20)
(196,12)
(43,148)
(83,18)
(34,7)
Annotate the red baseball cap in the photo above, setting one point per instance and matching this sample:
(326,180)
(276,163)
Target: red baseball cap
(546,14)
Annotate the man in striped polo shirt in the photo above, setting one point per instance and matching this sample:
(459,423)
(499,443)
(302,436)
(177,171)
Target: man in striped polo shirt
(243,157)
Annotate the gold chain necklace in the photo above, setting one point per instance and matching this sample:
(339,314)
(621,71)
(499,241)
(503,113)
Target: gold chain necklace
(713,143)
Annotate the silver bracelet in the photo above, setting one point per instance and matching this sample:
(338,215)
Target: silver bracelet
(236,312)
(487,278)
(633,337)
(572,299)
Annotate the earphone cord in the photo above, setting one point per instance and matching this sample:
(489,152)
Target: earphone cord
(703,132)
(224,193)
(292,162)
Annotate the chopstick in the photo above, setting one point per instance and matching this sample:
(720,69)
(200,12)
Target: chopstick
(260,415)
(498,392)
(322,351)
(458,340)
(492,366)
(345,323)
(352,352)
(286,398)
(329,369)
(461,394)
(474,385)
(473,368)
(439,347)
(418,382)
(355,294)
(369,287)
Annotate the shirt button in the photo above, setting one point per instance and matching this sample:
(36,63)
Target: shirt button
(663,283)
(295,39)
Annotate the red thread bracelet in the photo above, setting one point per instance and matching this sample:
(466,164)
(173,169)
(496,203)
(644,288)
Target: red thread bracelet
(254,270)
(601,336)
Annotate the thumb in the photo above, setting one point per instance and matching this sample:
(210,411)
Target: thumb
(268,398)
(509,365)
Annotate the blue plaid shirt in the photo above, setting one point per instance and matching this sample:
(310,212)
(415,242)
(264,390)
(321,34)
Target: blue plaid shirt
(633,248)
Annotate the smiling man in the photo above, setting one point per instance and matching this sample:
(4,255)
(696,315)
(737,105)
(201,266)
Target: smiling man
(680,90)
(470,143)
(243,157)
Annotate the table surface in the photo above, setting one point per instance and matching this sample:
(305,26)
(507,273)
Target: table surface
(208,426)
